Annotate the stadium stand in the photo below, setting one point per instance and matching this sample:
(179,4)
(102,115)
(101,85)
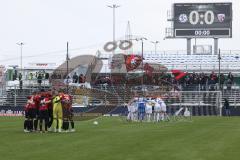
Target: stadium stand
(196,63)
(199,77)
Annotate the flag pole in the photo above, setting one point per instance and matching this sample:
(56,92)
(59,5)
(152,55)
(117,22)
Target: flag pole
(67,58)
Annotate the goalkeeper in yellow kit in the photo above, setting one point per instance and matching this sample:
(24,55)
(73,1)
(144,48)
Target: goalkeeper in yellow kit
(57,112)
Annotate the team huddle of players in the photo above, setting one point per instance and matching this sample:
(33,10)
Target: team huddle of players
(52,108)
(149,109)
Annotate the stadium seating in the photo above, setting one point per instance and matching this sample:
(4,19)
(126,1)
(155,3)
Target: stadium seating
(230,62)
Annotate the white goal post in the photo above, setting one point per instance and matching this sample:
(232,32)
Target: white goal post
(200,103)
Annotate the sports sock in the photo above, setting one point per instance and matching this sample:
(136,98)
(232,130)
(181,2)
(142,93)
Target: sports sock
(72,124)
(60,123)
(25,124)
(35,124)
(31,125)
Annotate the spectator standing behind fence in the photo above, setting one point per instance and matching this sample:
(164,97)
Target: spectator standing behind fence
(39,80)
(202,81)
(222,80)
(46,75)
(30,76)
(82,78)
(196,81)
(75,78)
(212,84)
(229,85)
(227,107)
(230,76)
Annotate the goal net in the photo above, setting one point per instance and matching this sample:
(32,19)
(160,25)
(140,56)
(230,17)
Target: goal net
(199,103)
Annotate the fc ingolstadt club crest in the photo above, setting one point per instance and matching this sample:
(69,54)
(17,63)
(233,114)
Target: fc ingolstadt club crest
(221,17)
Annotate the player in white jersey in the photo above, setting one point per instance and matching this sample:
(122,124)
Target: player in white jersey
(129,111)
(163,110)
(130,106)
(157,110)
(133,109)
(148,109)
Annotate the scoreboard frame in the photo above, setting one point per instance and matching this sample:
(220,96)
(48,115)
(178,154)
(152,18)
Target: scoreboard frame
(202,20)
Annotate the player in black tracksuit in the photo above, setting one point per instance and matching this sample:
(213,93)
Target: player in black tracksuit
(27,127)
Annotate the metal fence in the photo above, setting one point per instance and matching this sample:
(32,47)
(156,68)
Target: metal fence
(200,102)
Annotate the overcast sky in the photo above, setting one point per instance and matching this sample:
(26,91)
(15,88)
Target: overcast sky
(46,25)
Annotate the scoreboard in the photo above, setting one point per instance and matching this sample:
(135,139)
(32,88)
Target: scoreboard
(206,20)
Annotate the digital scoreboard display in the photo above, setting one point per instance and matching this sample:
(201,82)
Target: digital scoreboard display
(203,20)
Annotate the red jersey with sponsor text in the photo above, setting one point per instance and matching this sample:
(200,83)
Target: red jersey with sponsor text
(44,105)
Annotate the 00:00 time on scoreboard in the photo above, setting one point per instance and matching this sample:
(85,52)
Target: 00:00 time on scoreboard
(202,32)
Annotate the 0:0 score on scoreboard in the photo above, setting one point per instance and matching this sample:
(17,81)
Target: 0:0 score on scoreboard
(207,18)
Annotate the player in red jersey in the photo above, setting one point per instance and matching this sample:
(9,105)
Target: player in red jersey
(50,110)
(43,112)
(32,110)
(36,99)
(27,118)
(67,112)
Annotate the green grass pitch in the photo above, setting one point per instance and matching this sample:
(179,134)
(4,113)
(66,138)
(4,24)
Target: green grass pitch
(203,138)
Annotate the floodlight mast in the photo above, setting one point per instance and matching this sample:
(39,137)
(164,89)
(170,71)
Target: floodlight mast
(155,45)
(21,58)
(114,6)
